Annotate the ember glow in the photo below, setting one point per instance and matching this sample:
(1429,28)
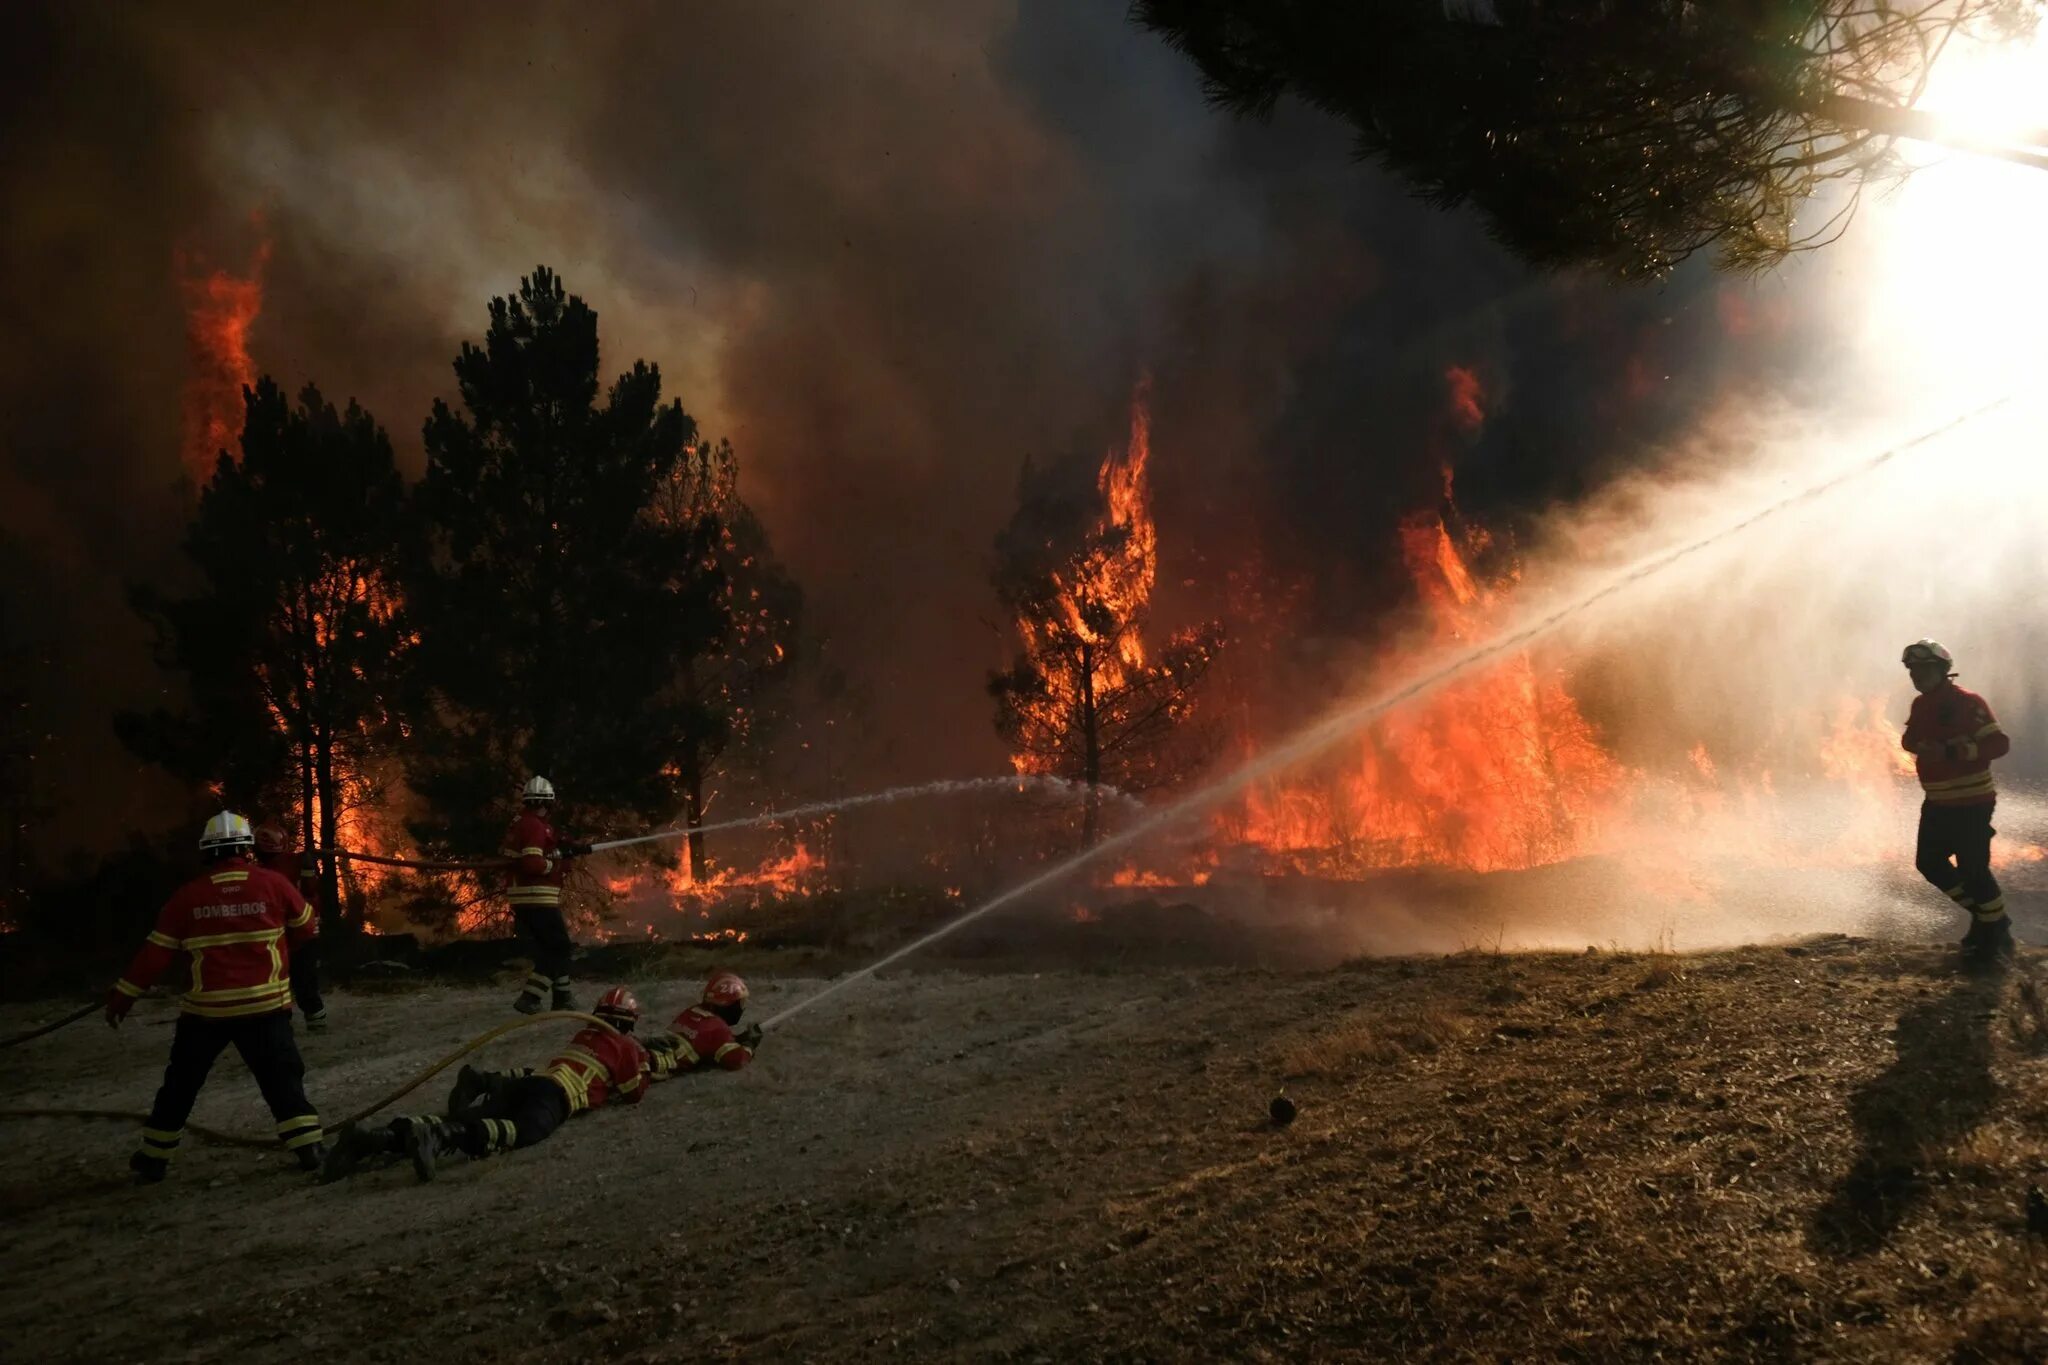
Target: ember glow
(220,307)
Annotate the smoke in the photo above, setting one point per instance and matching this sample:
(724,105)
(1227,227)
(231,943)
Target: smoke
(891,251)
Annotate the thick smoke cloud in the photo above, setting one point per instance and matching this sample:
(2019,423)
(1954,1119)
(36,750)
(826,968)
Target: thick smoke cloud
(891,250)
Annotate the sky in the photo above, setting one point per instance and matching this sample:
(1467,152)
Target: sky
(891,250)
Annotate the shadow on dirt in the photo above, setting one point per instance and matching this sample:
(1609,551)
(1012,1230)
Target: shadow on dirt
(1939,1090)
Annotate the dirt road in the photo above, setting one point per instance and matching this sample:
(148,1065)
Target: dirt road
(1768,1153)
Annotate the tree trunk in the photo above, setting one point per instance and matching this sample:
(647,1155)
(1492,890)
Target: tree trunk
(308,800)
(331,916)
(693,780)
(1091,750)
(2025,147)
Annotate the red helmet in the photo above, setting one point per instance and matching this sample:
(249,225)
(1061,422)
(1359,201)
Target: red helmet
(269,839)
(620,1007)
(725,988)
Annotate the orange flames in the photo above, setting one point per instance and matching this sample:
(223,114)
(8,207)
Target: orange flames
(1103,590)
(220,307)
(1499,770)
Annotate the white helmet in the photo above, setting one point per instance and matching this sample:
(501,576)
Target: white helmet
(226,831)
(537,789)
(1925,652)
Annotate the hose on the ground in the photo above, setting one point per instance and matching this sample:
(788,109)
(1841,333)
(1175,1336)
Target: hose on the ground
(238,1140)
(52,1026)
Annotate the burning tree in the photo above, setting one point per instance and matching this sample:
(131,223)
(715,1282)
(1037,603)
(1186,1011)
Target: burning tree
(581,568)
(1086,700)
(291,646)
(1625,136)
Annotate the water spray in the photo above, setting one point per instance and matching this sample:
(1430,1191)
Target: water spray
(1345,721)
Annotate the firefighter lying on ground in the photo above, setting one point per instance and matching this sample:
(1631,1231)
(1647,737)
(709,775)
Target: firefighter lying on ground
(239,926)
(274,853)
(491,1112)
(702,1036)
(1953,737)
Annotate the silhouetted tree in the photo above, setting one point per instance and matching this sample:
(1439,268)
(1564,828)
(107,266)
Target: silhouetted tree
(584,571)
(292,646)
(1627,136)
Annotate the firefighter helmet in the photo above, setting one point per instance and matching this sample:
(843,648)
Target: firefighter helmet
(269,839)
(226,831)
(537,788)
(1922,652)
(725,988)
(618,1007)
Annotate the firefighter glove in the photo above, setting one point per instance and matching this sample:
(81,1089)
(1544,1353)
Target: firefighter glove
(749,1037)
(577,850)
(119,1002)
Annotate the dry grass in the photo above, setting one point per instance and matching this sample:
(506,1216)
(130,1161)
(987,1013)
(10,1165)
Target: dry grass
(1373,1041)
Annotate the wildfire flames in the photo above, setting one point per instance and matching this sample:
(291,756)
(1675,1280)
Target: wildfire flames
(220,307)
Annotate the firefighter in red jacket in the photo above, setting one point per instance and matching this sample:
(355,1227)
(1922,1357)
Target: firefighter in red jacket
(702,1036)
(274,853)
(1953,738)
(540,859)
(492,1112)
(239,925)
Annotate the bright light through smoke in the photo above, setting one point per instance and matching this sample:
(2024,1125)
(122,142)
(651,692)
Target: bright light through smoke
(1958,285)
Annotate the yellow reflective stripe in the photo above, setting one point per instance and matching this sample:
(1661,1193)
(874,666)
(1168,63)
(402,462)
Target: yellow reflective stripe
(226,993)
(162,1137)
(128,988)
(300,920)
(1975,782)
(248,936)
(531,853)
(223,878)
(162,940)
(723,1048)
(287,1127)
(209,1010)
(534,895)
(1991,729)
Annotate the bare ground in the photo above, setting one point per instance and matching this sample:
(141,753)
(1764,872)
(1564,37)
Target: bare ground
(1819,1152)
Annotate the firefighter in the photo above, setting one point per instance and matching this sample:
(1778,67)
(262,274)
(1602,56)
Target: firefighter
(541,860)
(1953,738)
(702,1036)
(491,1112)
(273,851)
(239,925)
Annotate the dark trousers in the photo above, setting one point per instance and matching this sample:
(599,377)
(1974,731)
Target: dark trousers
(520,1111)
(1954,853)
(306,978)
(265,1043)
(552,947)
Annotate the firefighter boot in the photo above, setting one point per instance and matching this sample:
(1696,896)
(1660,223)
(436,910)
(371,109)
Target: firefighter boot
(1989,944)
(564,1000)
(312,1157)
(149,1170)
(533,996)
(471,1088)
(428,1141)
(353,1146)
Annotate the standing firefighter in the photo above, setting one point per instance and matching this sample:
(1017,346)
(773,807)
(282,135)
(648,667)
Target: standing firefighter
(540,860)
(274,854)
(238,924)
(1953,737)
(702,1036)
(491,1112)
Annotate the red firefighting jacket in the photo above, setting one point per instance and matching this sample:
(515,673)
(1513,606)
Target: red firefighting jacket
(599,1065)
(537,873)
(237,923)
(1963,723)
(700,1039)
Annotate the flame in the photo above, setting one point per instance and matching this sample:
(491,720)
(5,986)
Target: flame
(220,307)
(1118,576)
(1468,407)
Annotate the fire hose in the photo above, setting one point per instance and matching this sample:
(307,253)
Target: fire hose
(264,1143)
(52,1026)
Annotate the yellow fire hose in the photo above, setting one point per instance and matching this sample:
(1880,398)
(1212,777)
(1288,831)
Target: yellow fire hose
(237,1140)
